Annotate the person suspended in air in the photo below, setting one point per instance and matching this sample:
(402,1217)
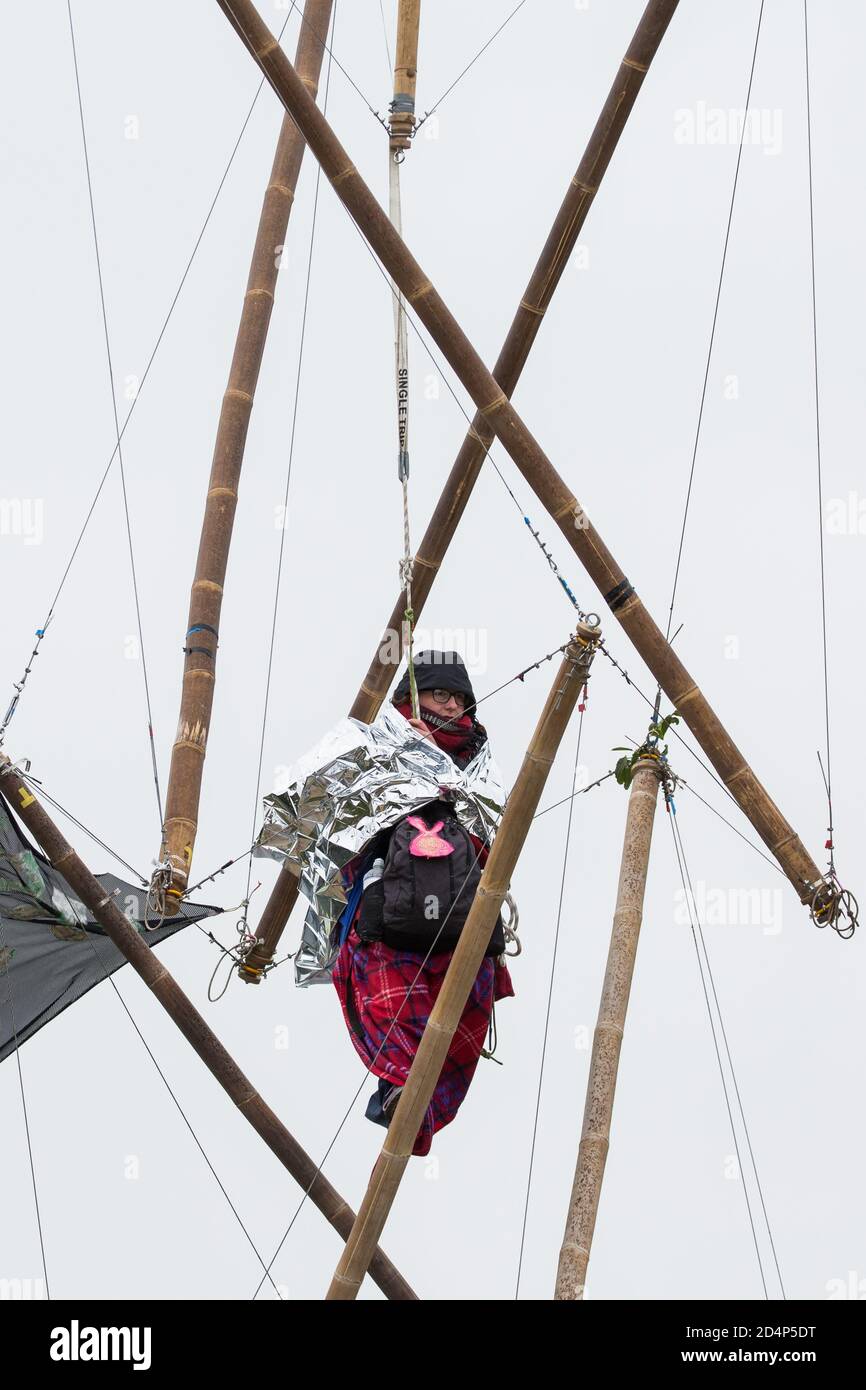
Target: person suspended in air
(414,886)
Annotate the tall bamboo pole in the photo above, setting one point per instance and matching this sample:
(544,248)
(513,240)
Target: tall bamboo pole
(549,487)
(512,358)
(464,965)
(402,126)
(402,116)
(205,605)
(607,1041)
(181,1010)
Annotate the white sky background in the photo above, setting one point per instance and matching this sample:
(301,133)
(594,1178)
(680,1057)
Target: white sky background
(612,391)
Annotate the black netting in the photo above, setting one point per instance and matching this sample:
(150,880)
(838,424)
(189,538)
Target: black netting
(51,949)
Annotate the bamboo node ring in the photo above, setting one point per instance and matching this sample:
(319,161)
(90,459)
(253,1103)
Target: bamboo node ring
(630,63)
(693,690)
(740,772)
(501,400)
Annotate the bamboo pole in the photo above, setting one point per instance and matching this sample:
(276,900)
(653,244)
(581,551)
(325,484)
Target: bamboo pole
(200,646)
(512,358)
(464,965)
(549,487)
(402,115)
(607,1041)
(518,344)
(183,1013)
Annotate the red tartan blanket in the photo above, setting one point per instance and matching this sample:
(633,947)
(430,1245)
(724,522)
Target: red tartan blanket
(378,985)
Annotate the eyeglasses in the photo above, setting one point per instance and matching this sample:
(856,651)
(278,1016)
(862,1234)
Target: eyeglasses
(443,696)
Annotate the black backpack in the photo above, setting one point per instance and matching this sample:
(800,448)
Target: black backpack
(429,882)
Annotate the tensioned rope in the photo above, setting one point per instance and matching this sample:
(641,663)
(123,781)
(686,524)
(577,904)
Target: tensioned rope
(40,632)
(519,676)
(683,783)
(385,35)
(401,377)
(713,325)
(826,775)
(289,463)
(471,64)
(115,415)
(4,961)
(549,1001)
(560,578)
(110,979)
(196,1139)
(35,782)
(580,792)
(563,583)
(704,964)
(333,58)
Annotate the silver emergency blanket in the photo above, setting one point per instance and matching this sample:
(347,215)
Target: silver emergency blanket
(360,779)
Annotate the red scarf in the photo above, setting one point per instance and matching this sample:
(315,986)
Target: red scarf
(453,736)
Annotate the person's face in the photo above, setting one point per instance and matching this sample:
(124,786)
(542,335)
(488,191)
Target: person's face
(444,702)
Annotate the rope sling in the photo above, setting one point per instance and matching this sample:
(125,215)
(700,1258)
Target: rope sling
(401,377)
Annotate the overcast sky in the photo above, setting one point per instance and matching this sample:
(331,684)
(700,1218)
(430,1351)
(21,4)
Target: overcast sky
(612,391)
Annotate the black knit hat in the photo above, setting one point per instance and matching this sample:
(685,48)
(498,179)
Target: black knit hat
(436,671)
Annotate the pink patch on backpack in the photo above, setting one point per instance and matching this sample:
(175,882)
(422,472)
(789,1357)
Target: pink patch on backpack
(428,844)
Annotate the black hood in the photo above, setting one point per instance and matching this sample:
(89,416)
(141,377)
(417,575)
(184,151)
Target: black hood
(436,671)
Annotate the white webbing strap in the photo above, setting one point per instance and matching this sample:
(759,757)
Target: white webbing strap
(401,368)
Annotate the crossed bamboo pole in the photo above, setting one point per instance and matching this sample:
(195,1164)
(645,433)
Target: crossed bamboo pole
(512,358)
(607,1041)
(519,341)
(200,647)
(184,1014)
(464,965)
(493,403)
